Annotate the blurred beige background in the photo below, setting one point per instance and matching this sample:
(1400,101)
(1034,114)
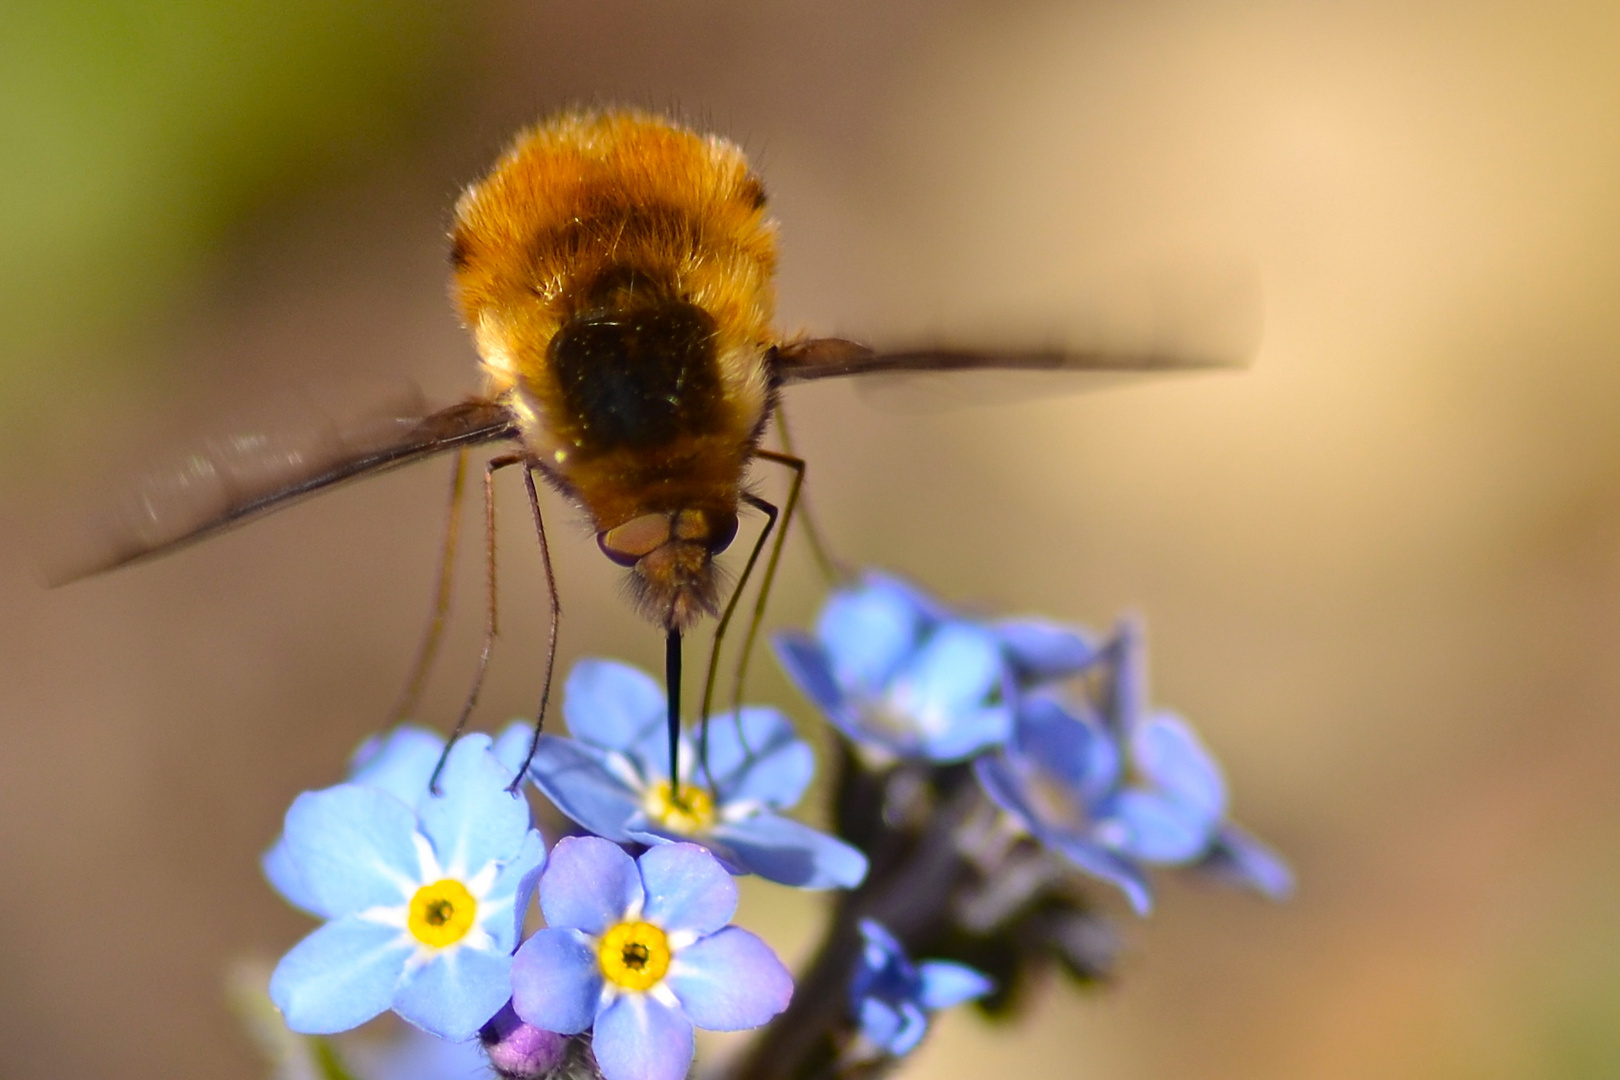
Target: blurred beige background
(1381,568)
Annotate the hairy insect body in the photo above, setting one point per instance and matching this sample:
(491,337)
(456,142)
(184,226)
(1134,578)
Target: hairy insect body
(616,272)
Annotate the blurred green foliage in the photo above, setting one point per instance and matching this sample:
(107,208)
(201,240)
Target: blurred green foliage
(133,132)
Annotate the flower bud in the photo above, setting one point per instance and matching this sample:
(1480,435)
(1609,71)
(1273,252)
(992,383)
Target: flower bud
(519,1051)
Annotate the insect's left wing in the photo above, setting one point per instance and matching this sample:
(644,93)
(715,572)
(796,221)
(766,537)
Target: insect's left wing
(226,482)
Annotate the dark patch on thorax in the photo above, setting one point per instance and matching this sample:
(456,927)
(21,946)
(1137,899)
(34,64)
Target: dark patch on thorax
(638,378)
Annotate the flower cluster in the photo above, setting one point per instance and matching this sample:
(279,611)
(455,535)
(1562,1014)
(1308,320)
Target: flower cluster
(424,888)
(1099,778)
(987,770)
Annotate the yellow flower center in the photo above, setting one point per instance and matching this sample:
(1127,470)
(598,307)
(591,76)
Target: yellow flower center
(441,913)
(634,955)
(688,809)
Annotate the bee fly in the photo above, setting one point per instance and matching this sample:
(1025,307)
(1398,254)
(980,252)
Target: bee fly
(616,272)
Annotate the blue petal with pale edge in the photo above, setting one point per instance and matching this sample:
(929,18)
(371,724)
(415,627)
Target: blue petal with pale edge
(400,762)
(556,981)
(1165,750)
(608,704)
(573,776)
(638,1039)
(869,631)
(729,981)
(516,883)
(686,889)
(810,668)
(1099,862)
(1239,859)
(453,994)
(788,852)
(352,846)
(475,821)
(1041,651)
(945,984)
(1159,830)
(284,877)
(759,758)
(340,976)
(589,884)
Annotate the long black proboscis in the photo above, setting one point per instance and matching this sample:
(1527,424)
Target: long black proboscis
(672,680)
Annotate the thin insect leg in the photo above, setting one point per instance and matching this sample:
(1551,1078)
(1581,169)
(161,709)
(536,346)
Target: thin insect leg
(834,570)
(764,595)
(441,597)
(551,642)
(491,467)
(721,626)
(672,682)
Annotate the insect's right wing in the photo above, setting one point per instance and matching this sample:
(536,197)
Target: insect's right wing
(226,482)
(825,358)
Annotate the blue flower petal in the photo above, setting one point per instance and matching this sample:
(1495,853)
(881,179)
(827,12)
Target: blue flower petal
(1105,865)
(1127,686)
(729,981)
(1165,751)
(788,852)
(881,1023)
(1040,651)
(574,777)
(759,759)
(608,704)
(453,994)
(945,984)
(808,664)
(955,670)
(278,868)
(589,884)
(1004,782)
(969,732)
(1158,830)
(1068,745)
(556,981)
(1240,859)
(516,884)
(686,889)
(639,1039)
(340,976)
(867,632)
(352,846)
(475,821)
(512,745)
(400,762)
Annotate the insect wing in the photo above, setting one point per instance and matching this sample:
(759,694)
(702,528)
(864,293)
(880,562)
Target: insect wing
(227,481)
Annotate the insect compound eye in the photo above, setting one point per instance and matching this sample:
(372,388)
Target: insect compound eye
(626,544)
(714,529)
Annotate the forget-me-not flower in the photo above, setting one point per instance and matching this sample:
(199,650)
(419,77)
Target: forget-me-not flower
(399,762)
(891,997)
(1059,777)
(425,900)
(640,952)
(902,676)
(612,778)
(1176,805)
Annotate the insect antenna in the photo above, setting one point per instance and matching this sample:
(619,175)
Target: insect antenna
(425,655)
(491,628)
